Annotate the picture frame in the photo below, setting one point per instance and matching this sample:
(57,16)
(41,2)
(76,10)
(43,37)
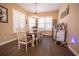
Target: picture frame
(3,14)
(65,12)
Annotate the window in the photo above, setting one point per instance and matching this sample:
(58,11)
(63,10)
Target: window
(45,23)
(41,23)
(18,20)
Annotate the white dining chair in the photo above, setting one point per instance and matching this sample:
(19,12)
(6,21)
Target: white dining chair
(38,36)
(22,38)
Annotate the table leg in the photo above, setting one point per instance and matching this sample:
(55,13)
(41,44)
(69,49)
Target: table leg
(33,40)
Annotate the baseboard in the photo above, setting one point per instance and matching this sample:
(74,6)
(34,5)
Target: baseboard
(73,51)
(3,43)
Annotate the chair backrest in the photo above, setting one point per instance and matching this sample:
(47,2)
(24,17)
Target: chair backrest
(26,28)
(38,32)
(21,35)
(18,33)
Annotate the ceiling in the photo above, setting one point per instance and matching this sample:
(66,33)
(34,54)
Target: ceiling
(41,7)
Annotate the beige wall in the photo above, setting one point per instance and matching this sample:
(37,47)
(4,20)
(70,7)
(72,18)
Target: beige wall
(72,20)
(54,14)
(6,29)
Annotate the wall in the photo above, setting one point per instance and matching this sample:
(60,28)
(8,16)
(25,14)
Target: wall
(6,29)
(54,14)
(72,20)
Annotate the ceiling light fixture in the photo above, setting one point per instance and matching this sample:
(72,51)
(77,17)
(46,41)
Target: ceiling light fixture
(35,11)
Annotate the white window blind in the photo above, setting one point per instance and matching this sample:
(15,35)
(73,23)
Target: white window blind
(18,20)
(45,23)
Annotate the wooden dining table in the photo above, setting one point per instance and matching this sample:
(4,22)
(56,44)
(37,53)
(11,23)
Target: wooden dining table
(33,35)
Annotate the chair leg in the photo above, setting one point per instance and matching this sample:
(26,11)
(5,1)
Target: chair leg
(39,39)
(18,45)
(33,44)
(26,47)
(33,41)
(36,42)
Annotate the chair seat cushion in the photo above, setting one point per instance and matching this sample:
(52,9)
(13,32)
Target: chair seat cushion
(28,39)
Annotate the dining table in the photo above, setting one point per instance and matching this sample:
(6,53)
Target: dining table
(33,35)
